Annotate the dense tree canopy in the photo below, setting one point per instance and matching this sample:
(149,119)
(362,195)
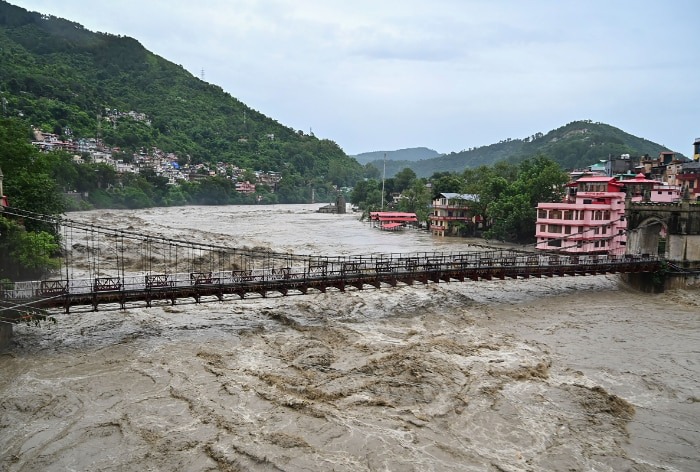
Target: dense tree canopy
(27,247)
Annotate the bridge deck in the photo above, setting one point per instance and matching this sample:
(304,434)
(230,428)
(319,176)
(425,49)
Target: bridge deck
(321,275)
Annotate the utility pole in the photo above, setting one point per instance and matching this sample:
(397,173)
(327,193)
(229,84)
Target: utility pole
(383,179)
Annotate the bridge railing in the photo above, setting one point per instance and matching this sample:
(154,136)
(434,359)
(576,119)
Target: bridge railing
(379,266)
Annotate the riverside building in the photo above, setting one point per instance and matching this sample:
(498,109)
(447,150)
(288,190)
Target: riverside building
(450,211)
(591,218)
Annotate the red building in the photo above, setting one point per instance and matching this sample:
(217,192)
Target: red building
(392,220)
(689,179)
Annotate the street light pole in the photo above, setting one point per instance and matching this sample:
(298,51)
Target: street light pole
(383,179)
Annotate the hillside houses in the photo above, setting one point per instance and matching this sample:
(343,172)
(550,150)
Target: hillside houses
(163,163)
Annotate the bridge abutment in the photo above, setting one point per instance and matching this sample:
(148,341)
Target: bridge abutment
(684,249)
(659,282)
(671,231)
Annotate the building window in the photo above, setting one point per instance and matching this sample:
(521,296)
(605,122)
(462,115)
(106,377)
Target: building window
(567,230)
(542,214)
(555,228)
(543,228)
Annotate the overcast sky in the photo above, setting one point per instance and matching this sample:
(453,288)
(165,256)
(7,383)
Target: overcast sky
(380,75)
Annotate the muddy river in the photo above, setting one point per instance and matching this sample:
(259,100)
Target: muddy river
(569,374)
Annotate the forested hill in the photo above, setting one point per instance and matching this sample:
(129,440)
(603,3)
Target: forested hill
(410,154)
(577,144)
(59,76)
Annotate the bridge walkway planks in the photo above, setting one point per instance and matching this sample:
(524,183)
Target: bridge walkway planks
(338,274)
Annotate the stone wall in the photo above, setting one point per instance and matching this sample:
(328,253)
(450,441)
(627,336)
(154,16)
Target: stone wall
(651,283)
(5,335)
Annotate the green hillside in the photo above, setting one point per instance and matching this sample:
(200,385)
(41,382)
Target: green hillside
(410,154)
(575,145)
(65,79)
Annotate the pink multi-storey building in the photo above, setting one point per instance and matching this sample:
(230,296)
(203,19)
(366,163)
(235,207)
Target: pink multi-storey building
(591,219)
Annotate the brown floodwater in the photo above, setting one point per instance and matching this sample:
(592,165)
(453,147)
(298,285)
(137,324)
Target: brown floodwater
(574,373)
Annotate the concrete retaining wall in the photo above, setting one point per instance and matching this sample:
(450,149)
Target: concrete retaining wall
(650,283)
(5,335)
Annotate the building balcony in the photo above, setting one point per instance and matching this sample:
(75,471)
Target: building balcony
(579,205)
(450,218)
(588,236)
(584,222)
(450,207)
(613,195)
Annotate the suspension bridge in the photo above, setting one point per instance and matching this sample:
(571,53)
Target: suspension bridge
(123,268)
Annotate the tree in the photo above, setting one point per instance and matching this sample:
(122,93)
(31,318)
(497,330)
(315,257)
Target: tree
(175,196)
(511,205)
(25,254)
(37,193)
(214,191)
(134,197)
(16,152)
(416,199)
(404,179)
(367,195)
(292,188)
(447,183)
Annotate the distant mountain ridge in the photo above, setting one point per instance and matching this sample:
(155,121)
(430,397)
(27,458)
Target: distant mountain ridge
(409,154)
(574,145)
